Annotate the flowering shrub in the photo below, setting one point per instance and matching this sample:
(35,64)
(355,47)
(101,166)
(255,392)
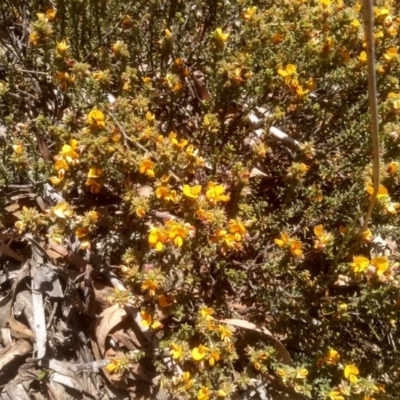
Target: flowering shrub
(153,122)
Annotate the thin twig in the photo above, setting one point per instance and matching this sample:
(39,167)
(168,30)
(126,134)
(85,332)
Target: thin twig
(369,34)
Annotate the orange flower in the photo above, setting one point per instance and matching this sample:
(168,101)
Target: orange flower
(94,186)
(165,301)
(237,229)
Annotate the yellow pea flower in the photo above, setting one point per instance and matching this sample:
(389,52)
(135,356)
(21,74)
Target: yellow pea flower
(390,54)
(61,164)
(283,240)
(198,353)
(94,185)
(203,393)
(151,286)
(221,36)
(62,210)
(391,168)
(176,351)
(288,71)
(81,232)
(295,248)
(335,396)
(95,173)
(360,263)
(351,372)
(215,193)
(192,192)
(165,301)
(332,357)
(382,192)
(249,13)
(362,57)
(96,119)
(62,47)
(146,167)
(381,264)
(157,238)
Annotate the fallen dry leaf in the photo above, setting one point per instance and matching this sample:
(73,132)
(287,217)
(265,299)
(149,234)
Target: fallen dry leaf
(283,354)
(13,351)
(107,321)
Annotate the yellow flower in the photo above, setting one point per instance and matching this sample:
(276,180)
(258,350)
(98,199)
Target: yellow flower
(391,168)
(222,393)
(162,192)
(332,357)
(288,71)
(177,233)
(198,353)
(360,263)
(151,286)
(81,232)
(62,47)
(295,248)
(157,238)
(176,351)
(390,54)
(140,212)
(95,173)
(165,301)
(51,13)
(192,192)
(301,92)
(237,229)
(301,373)
(362,57)
(381,264)
(62,210)
(367,235)
(381,12)
(114,365)
(325,3)
(249,13)
(94,185)
(226,333)
(146,318)
(351,372)
(96,119)
(207,313)
(215,193)
(335,396)
(214,356)
(323,238)
(146,167)
(150,117)
(178,144)
(203,393)
(355,23)
(18,148)
(69,152)
(283,240)
(187,381)
(221,37)
(61,164)
(382,192)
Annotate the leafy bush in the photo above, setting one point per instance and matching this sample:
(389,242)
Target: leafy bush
(156,124)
